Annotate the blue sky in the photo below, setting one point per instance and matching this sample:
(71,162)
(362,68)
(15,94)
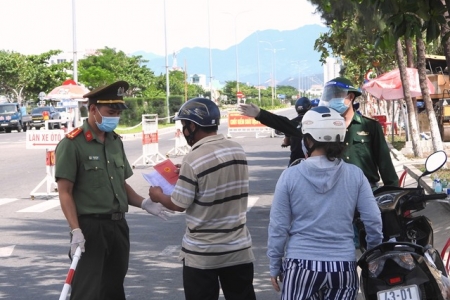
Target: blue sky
(36,26)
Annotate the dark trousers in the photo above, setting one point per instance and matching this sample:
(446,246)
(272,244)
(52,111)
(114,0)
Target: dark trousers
(236,282)
(101,270)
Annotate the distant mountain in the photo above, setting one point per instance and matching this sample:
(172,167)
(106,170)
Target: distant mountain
(296,61)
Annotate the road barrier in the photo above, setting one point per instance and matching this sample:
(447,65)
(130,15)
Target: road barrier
(150,149)
(241,123)
(45,139)
(181,146)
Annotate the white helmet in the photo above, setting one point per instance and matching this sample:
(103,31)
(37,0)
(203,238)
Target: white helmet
(324,124)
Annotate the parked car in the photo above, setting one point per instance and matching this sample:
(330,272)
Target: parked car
(65,116)
(42,113)
(11,118)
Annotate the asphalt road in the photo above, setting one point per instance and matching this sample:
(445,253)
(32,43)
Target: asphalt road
(34,233)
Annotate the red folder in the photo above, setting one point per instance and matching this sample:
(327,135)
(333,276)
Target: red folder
(167,170)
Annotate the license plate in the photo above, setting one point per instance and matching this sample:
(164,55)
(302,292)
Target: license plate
(37,121)
(4,124)
(409,292)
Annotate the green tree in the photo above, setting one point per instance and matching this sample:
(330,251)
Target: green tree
(109,65)
(24,76)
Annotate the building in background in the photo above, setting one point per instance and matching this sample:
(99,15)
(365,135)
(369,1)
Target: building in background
(331,68)
(315,91)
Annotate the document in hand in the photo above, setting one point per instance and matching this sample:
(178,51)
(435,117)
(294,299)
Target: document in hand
(163,176)
(167,170)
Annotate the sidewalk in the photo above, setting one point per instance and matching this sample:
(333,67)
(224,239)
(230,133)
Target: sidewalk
(402,163)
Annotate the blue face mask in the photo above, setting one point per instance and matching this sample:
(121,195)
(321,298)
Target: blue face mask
(108,123)
(338,105)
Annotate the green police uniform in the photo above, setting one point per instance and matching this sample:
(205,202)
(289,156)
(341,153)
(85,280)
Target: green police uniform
(366,148)
(98,170)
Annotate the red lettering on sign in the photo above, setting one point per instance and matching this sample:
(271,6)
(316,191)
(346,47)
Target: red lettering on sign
(34,138)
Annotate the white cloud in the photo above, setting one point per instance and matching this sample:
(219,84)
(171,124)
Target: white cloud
(36,26)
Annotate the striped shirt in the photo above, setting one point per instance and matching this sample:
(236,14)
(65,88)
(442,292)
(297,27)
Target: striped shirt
(213,188)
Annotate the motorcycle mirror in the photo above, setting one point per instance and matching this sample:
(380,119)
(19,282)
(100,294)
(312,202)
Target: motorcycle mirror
(435,161)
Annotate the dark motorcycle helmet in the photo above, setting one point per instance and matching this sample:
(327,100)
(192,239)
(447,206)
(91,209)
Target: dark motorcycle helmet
(201,111)
(315,102)
(302,105)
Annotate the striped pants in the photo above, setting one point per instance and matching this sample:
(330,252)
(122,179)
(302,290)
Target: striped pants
(330,280)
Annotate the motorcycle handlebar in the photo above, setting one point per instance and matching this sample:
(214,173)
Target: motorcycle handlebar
(435,196)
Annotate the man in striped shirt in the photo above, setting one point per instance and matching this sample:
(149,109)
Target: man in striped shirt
(213,190)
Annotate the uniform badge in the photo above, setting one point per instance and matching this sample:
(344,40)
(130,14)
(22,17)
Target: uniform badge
(88,136)
(121,92)
(93,157)
(362,133)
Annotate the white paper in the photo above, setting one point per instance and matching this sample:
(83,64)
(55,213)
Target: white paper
(156,179)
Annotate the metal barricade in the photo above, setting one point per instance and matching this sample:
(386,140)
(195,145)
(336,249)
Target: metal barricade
(181,146)
(150,149)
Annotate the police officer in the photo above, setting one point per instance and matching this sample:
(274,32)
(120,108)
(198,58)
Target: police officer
(366,146)
(91,172)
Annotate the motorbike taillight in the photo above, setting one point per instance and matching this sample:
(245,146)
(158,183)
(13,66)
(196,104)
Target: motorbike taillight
(402,259)
(395,280)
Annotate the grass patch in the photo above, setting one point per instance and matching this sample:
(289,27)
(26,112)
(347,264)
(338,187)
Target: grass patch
(399,142)
(121,129)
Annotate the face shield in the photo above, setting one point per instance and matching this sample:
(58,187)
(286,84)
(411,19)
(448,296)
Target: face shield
(335,91)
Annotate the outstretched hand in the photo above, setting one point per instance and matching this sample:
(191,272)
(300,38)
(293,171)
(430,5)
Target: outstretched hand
(249,110)
(156,209)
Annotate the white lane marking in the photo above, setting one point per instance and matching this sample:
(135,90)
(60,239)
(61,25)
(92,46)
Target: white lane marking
(7,200)
(6,251)
(251,201)
(170,250)
(41,207)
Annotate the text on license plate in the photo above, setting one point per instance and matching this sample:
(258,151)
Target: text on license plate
(409,292)
(4,124)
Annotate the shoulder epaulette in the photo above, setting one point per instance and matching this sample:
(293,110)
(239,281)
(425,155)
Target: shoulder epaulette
(74,133)
(369,118)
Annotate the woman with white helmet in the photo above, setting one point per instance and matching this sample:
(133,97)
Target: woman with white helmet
(310,243)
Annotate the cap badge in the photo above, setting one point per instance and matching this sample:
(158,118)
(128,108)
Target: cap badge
(121,92)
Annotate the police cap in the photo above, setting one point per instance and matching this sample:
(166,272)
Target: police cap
(110,95)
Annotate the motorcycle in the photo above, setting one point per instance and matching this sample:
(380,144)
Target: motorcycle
(405,266)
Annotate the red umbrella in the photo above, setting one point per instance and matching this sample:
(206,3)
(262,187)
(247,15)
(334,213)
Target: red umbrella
(69,90)
(389,85)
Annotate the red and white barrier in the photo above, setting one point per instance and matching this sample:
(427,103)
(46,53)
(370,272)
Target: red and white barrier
(240,123)
(48,140)
(181,145)
(150,149)
(67,285)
